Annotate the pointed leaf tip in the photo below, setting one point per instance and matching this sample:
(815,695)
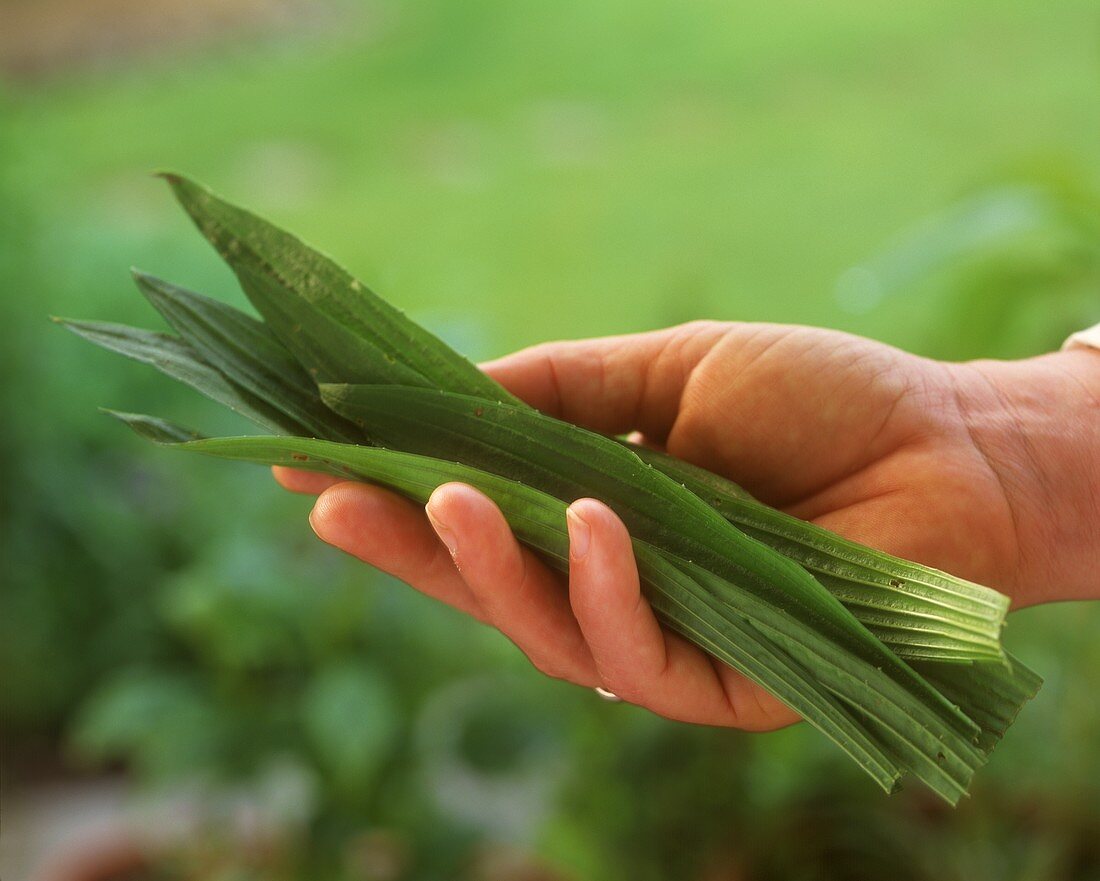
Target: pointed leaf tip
(172,177)
(74,325)
(152,428)
(141,277)
(186,190)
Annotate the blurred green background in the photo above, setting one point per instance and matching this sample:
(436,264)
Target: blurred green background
(179,655)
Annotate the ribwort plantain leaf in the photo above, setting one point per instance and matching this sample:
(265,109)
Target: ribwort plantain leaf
(252,246)
(539,521)
(900,665)
(568,462)
(175,358)
(248,354)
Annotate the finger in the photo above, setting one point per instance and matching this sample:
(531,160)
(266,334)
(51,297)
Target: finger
(296,480)
(635,657)
(392,534)
(520,595)
(612,384)
(626,641)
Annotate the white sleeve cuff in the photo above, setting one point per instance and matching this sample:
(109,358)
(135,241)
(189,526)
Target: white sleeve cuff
(1084,339)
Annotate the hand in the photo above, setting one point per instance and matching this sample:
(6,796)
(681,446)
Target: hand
(933,462)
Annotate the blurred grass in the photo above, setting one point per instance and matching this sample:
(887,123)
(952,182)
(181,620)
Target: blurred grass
(580,168)
(511,172)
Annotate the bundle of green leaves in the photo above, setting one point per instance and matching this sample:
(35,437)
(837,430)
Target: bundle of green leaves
(900,665)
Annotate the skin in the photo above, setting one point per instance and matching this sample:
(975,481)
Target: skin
(989,470)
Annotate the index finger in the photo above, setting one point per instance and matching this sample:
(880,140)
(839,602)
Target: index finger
(310,483)
(610,384)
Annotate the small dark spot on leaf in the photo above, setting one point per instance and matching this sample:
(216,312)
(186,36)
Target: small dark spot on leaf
(895,582)
(298,457)
(480,411)
(940,757)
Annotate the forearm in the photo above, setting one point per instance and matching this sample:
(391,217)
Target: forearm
(1037,423)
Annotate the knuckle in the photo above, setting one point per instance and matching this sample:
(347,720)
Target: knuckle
(621,686)
(547,666)
(700,325)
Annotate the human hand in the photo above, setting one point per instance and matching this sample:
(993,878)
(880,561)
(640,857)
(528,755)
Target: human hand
(965,467)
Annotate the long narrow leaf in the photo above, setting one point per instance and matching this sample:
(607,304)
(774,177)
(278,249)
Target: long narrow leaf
(817,621)
(328,350)
(568,462)
(990,694)
(921,611)
(983,693)
(243,349)
(175,358)
(539,521)
(250,244)
(266,257)
(298,287)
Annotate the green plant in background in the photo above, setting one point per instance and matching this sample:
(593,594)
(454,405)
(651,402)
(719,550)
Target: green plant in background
(1015,264)
(297,707)
(738,599)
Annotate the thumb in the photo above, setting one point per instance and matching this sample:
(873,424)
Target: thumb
(610,384)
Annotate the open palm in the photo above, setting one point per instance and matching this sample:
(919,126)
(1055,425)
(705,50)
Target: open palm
(859,437)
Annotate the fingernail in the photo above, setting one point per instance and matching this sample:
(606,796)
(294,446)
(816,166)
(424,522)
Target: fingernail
(580,534)
(443,531)
(315,522)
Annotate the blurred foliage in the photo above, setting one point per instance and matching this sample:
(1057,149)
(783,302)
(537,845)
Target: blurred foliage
(513,171)
(1010,266)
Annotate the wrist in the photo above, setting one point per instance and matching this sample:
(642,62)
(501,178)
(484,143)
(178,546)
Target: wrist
(1037,424)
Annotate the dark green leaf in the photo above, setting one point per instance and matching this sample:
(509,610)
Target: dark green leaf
(245,351)
(568,462)
(250,244)
(326,349)
(175,358)
(539,521)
